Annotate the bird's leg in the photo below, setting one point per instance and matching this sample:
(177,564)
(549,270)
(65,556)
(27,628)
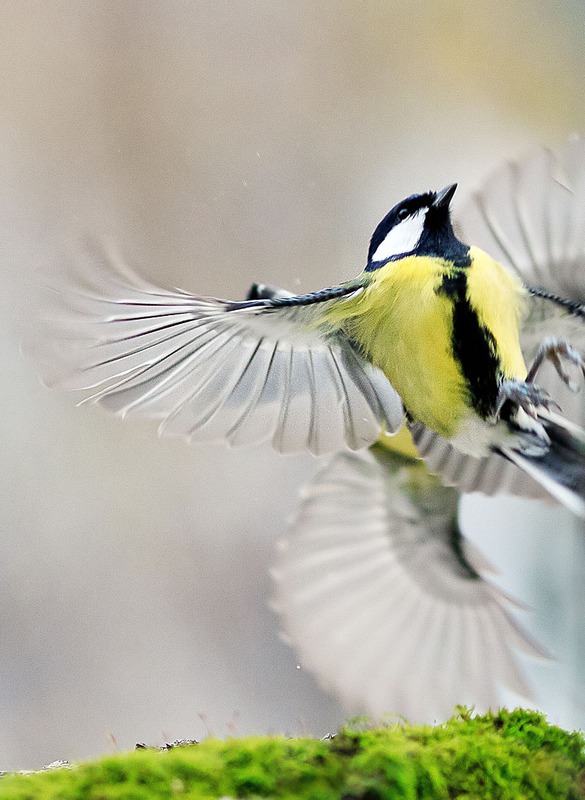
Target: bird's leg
(555,350)
(524,394)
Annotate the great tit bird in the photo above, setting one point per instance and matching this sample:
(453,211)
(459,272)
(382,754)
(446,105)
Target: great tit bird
(429,329)
(374,576)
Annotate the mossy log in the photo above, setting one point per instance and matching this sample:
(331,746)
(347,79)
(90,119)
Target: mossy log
(510,754)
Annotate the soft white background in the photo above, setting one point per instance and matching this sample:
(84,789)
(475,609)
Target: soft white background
(221,143)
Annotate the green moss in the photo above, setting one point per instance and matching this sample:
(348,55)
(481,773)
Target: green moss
(512,754)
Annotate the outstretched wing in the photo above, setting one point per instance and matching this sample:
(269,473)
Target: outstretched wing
(529,215)
(211,369)
(373,580)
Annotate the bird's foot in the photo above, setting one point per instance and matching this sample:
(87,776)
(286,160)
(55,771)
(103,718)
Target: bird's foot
(524,394)
(556,351)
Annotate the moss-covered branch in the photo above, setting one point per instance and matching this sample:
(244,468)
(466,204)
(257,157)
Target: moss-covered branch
(515,755)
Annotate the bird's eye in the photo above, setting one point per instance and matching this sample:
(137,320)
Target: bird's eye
(402,213)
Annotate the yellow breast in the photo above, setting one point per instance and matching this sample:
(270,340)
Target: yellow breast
(499,300)
(403,321)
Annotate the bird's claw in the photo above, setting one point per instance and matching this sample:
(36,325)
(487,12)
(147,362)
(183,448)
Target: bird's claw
(556,351)
(570,354)
(530,397)
(526,395)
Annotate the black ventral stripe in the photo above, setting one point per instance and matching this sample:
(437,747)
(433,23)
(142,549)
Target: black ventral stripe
(473,345)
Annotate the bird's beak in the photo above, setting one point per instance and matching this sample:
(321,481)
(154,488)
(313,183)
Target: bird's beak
(444,197)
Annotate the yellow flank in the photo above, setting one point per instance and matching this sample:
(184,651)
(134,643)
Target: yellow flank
(498,299)
(404,326)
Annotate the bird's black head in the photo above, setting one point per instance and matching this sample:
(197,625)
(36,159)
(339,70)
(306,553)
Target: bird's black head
(419,225)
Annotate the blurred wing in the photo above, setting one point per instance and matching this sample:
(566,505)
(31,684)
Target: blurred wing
(210,369)
(530,216)
(491,475)
(377,596)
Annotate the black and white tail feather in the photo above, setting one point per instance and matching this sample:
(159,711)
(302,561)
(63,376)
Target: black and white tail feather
(560,469)
(549,466)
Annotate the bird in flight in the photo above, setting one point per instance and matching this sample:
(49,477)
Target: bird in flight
(434,351)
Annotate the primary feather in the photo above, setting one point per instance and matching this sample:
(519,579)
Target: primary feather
(211,369)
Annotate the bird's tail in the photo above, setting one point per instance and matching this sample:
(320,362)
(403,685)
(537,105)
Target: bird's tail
(561,469)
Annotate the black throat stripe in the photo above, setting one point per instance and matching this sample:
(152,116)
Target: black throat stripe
(473,346)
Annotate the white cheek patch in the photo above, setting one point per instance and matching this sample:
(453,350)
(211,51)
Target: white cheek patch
(402,238)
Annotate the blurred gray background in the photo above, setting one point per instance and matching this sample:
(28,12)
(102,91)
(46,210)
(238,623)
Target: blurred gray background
(220,143)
